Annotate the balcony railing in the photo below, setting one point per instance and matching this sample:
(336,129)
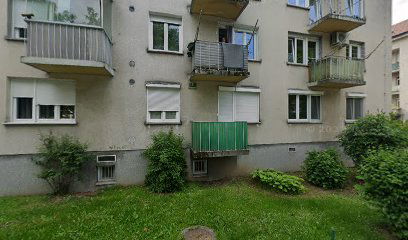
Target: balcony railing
(395,67)
(217,139)
(213,61)
(336,15)
(228,9)
(336,73)
(68,48)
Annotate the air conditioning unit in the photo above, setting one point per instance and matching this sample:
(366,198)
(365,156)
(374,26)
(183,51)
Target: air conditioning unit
(338,39)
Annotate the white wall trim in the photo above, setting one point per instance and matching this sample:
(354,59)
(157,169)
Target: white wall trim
(239,89)
(356,95)
(305,92)
(163,85)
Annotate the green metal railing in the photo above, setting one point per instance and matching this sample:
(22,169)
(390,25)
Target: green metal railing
(395,66)
(219,136)
(337,69)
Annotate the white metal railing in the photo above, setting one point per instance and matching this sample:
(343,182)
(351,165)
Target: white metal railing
(68,41)
(347,8)
(210,56)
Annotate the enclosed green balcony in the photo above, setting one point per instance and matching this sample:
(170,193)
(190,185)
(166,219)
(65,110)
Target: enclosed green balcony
(219,139)
(336,73)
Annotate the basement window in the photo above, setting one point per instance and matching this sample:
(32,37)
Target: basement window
(199,168)
(106,168)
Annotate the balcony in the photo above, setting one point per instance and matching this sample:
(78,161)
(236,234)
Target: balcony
(213,61)
(56,47)
(395,67)
(336,73)
(219,139)
(336,15)
(228,9)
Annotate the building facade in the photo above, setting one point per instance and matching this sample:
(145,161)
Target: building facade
(249,84)
(399,64)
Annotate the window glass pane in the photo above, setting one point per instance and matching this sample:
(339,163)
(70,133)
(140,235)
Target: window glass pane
(171,115)
(302,106)
(24,108)
(299,51)
(302,3)
(293,2)
(46,112)
(174,37)
(239,38)
(158,36)
(67,112)
(292,106)
(357,8)
(354,52)
(155,115)
(358,106)
(251,47)
(348,51)
(315,115)
(311,49)
(349,108)
(349,5)
(291,51)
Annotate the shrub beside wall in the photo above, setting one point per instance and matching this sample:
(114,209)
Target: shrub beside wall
(61,159)
(279,181)
(325,169)
(385,174)
(166,170)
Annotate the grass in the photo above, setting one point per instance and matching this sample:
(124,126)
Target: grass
(235,210)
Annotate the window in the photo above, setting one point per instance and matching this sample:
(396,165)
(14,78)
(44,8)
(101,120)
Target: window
(42,100)
(68,11)
(354,107)
(355,51)
(304,106)
(395,101)
(243,38)
(199,167)
(315,12)
(238,104)
(106,168)
(165,34)
(354,8)
(300,3)
(302,50)
(163,103)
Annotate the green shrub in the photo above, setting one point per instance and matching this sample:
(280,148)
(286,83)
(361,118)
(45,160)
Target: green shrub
(385,176)
(373,132)
(325,169)
(279,181)
(166,170)
(61,159)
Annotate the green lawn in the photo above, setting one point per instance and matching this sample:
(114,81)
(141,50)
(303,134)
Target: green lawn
(237,210)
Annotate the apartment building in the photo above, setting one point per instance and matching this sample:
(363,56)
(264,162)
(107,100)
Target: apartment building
(249,84)
(399,63)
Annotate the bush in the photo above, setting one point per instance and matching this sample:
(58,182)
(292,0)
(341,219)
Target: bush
(373,132)
(325,169)
(61,159)
(167,164)
(385,175)
(279,181)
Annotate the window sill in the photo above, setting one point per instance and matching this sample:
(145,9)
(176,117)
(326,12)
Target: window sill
(163,123)
(350,121)
(38,123)
(297,64)
(164,52)
(254,123)
(255,60)
(106,183)
(299,7)
(304,122)
(14,39)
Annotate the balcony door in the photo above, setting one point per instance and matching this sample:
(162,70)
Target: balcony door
(353,8)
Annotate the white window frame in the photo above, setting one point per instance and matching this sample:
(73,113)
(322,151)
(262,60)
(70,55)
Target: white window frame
(306,40)
(309,95)
(35,118)
(102,164)
(199,173)
(239,89)
(298,3)
(176,20)
(254,39)
(361,96)
(163,119)
(350,50)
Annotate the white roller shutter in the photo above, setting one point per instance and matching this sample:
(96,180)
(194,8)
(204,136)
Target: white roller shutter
(163,99)
(22,88)
(225,106)
(55,92)
(247,106)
